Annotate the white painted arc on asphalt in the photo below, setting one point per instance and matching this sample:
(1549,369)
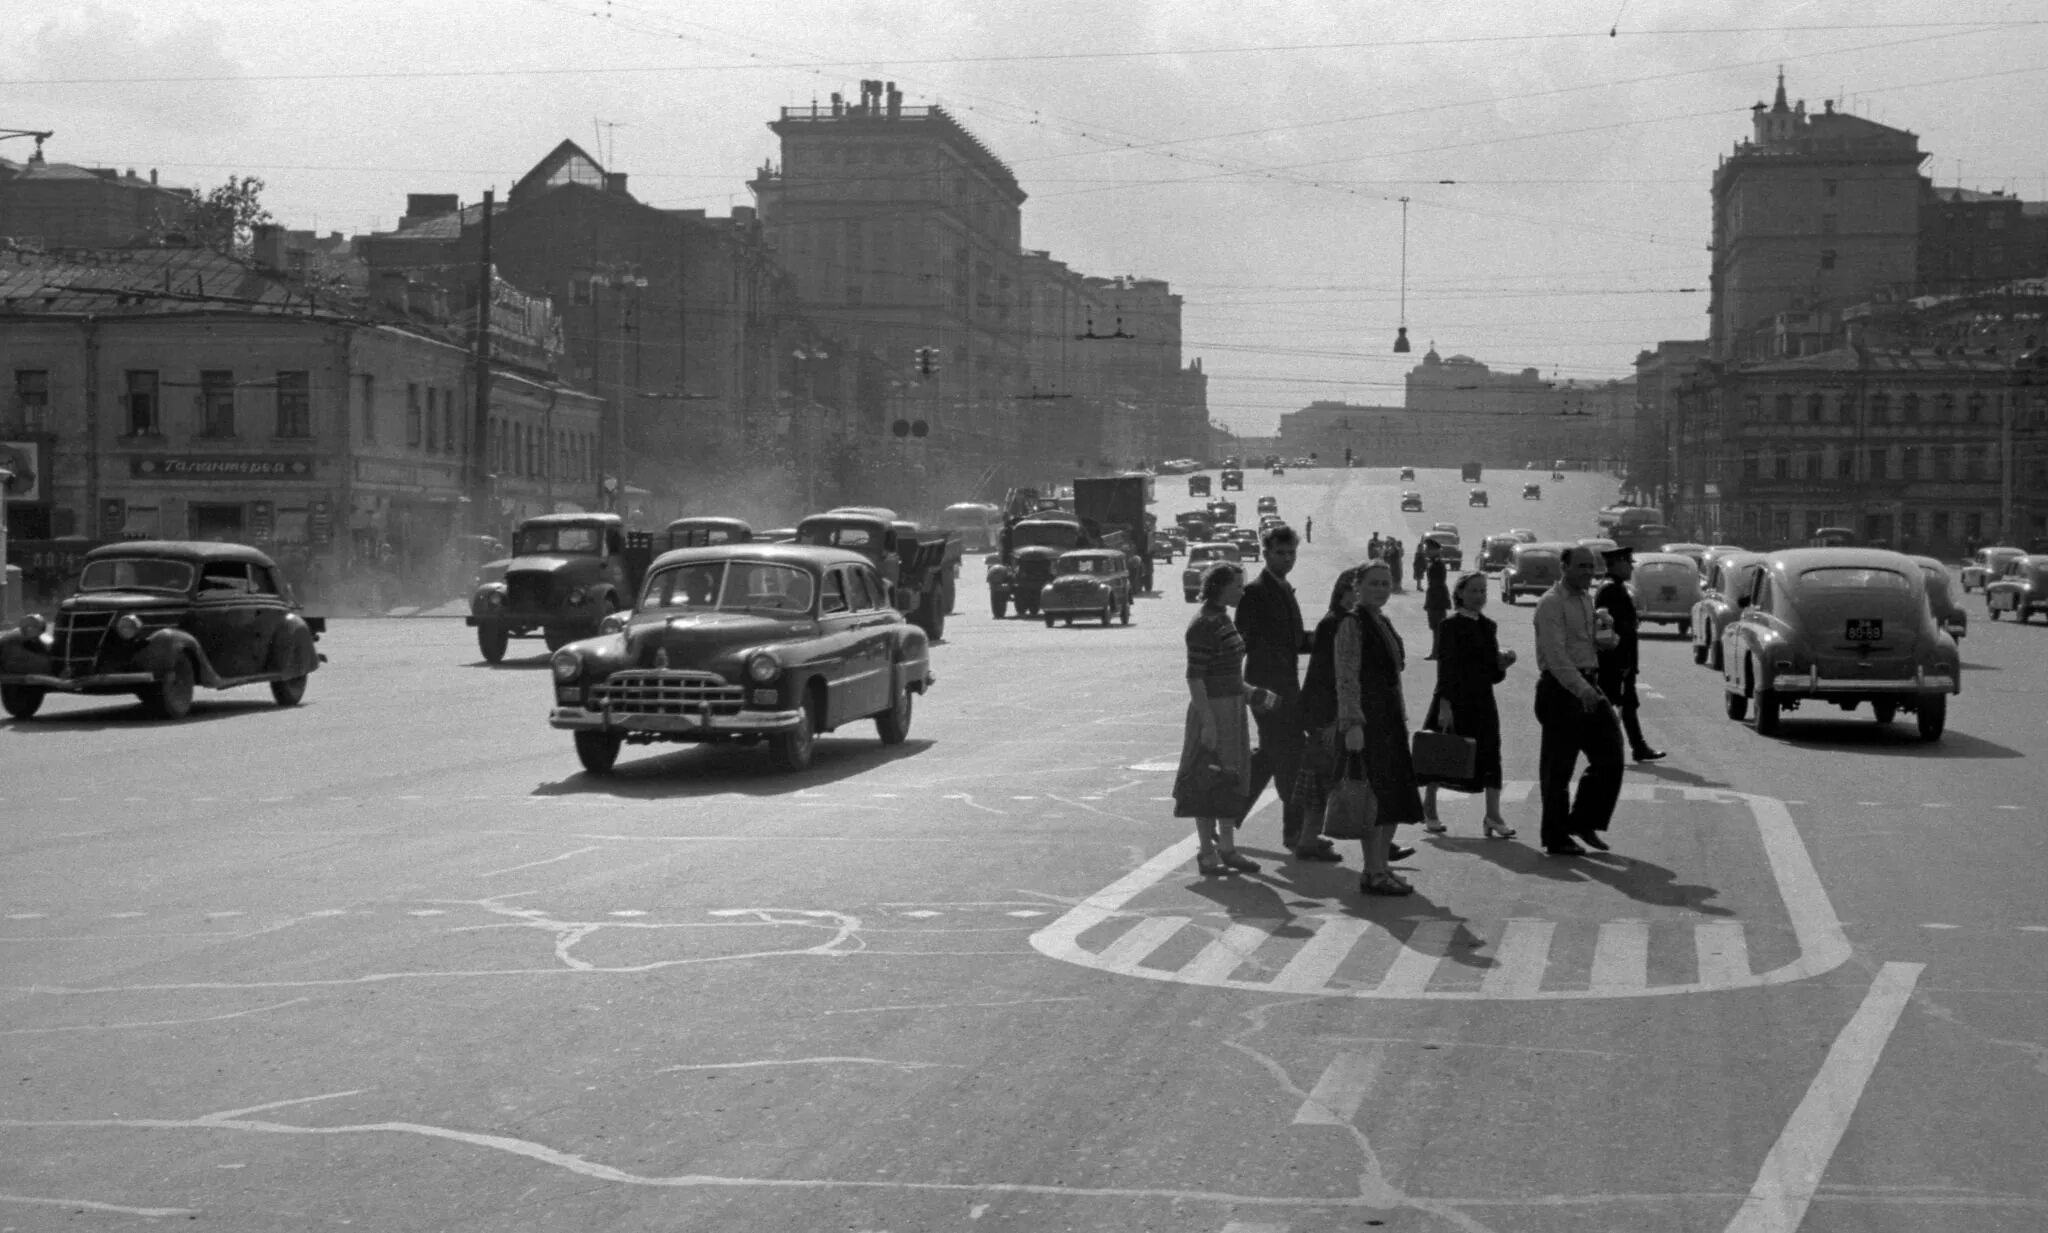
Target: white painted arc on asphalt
(1345,1083)
(1793,1169)
(1621,955)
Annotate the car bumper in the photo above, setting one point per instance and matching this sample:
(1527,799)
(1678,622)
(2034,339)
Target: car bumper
(80,684)
(1797,684)
(578,719)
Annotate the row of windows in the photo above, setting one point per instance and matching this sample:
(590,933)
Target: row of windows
(218,405)
(521,450)
(1939,462)
(1785,525)
(1817,407)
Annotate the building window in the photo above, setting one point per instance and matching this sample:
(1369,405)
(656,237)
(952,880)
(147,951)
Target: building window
(433,420)
(1816,408)
(142,405)
(32,398)
(1973,526)
(1752,408)
(216,403)
(1827,224)
(1909,408)
(1944,408)
(1909,524)
(1749,466)
(1783,408)
(1880,408)
(412,413)
(1976,409)
(448,441)
(1878,457)
(369,407)
(1781,525)
(1845,409)
(294,405)
(1829,188)
(1827,258)
(1943,459)
(1781,466)
(1937,525)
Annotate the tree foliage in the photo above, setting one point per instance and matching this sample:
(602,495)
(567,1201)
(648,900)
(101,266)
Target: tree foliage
(224,218)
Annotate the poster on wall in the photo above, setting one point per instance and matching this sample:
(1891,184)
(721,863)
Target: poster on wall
(25,459)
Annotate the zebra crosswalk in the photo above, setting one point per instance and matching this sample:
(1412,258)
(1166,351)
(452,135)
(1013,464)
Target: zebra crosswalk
(1337,952)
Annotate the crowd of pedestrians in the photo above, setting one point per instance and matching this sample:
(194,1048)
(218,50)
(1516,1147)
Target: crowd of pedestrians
(1346,720)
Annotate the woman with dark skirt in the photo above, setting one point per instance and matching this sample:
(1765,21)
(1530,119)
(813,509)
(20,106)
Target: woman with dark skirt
(1373,719)
(1318,774)
(1436,596)
(1469,664)
(1218,731)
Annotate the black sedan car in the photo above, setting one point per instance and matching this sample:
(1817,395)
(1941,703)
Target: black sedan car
(746,642)
(157,618)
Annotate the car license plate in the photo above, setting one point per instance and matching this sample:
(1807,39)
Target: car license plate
(2002,600)
(1864,631)
(1667,592)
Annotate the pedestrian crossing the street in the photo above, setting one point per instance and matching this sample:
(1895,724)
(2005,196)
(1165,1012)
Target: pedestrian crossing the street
(1347,949)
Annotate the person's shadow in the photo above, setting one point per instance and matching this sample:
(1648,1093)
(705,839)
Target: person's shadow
(1641,880)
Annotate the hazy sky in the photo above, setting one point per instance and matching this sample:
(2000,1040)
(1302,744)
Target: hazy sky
(1252,154)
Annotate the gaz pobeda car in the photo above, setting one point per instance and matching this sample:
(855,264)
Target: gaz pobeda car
(157,617)
(1727,574)
(1941,598)
(1666,586)
(1532,570)
(1200,558)
(744,642)
(2022,590)
(1089,582)
(1841,627)
(1987,564)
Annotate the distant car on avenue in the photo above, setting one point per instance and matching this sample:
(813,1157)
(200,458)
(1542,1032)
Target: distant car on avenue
(1838,627)
(158,618)
(1476,497)
(1532,569)
(1495,551)
(1093,582)
(1198,485)
(1727,574)
(567,573)
(2021,591)
(1411,502)
(1941,597)
(1666,586)
(703,532)
(1532,492)
(1407,473)
(1233,480)
(1448,548)
(1697,553)
(1200,558)
(1269,505)
(744,642)
(1988,563)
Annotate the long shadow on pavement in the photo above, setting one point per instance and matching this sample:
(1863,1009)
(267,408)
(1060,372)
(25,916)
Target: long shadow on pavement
(134,715)
(681,772)
(1892,740)
(1641,880)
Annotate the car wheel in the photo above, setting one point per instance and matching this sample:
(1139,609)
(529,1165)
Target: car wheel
(171,697)
(491,640)
(1736,704)
(1050,621)
(599,751)
(1107,613)
(1885,711)
(21,701)
(1991,612)
(288,692)
(1932,717)
(1191,596)
(1124,618)
(2021,614)
(1714,658)
(893,725)
(1685,629)
(997,604)
(791,748)
(1766,712)
(1699,653)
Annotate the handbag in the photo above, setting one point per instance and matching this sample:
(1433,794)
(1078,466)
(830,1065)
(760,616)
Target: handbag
(1442,757)
(1352,809)
(1209,789)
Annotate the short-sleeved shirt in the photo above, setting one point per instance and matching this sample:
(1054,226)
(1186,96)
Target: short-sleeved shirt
(1216,652)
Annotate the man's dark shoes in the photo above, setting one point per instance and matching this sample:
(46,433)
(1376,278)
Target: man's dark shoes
(1566,848)
(1592,840)
(1650,755)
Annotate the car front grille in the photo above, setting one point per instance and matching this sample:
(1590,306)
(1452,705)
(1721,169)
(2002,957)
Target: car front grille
(658,692)
(81,637)
(1035,571)
(526,590)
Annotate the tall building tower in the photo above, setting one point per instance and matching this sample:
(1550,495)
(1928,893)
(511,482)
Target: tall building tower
(901,231)
(1812,210)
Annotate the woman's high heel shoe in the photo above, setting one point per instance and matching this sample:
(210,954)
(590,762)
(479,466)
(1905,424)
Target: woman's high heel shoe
(1497,828)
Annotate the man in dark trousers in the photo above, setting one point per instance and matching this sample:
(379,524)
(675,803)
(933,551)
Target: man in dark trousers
(1576,717)
(1618,666)
(1269,621)
(1308,530)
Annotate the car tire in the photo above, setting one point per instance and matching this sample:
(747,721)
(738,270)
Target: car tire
(996,605)
(1699,653)
(792,748)
(1990,612)
(1192,596)
(21,701)
(1737,705)
(893,725)
(288,692)
(1714,660)
(1050,621)
(1124,617)
(1885,710)
(491,640)
(1767,712)
(171,696)
(1107,613)
(599,751)
(1932,717)
(1685,629)
(2021,614)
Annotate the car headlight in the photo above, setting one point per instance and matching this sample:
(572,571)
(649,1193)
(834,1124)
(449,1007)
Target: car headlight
(495,598)
(127,625)
(566,665)
(578,595)
(763,667)
(33,625)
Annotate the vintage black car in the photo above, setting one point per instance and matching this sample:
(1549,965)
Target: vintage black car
(705,532)
(1838,627)
(156,618)
(1269,505)
(567,573)
(1411,502)
(746,642)
(1476,496)
(1094,582)
(1407,473)
(917,565)
(2021,590)
(1233,480)
(1532,492)
(1198,485)
(1941,598)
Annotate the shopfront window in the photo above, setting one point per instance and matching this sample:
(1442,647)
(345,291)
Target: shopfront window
(217,403)
(294,405)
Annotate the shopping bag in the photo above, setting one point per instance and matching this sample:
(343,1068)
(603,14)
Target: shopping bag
(1209,789)
(1442,757)
(1352,808)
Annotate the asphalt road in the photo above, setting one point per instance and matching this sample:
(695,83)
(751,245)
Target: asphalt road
(390,961)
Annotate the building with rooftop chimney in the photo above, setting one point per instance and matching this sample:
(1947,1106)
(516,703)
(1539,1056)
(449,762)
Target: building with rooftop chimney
(60,205)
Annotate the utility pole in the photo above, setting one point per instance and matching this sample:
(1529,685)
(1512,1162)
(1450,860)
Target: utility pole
(480,433)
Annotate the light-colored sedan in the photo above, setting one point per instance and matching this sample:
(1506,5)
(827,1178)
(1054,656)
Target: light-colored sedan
(1989,563)
(1666,585)
(1200,558)
(1727,574)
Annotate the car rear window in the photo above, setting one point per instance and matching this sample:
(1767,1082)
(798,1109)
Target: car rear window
(1539,557)
(1847,578)
(1674,569)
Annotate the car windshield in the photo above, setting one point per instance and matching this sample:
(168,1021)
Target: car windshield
(1075,563)
(1851,578)
(136,574)
(1537,558)
(529,541)
(1209,553)
(1667,569)
(1045,534)
(729,586)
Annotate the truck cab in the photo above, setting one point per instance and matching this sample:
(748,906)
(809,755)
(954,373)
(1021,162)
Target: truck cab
(912,563)
(567,572)
(1031,546)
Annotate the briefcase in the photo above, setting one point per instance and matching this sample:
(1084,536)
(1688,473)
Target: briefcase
(1441,757)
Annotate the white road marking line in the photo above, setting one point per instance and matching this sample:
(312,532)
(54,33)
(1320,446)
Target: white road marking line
(1226,951)
(531,864)
(26,915)
(94,1206)
(1520,960)
(921,914)
(1025,913)
(1148,935)
(426,912)
(1793,1170)
(1723,953)
(329,912)
(1937,925)
(1409,975)
(226,914)
(627,912)
(1336,1096)
(125,915)
(2012,807)
(1319,958)
(1247,1226)
(1621,956)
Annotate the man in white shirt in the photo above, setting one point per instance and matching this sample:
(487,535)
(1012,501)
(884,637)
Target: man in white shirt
(1576,717)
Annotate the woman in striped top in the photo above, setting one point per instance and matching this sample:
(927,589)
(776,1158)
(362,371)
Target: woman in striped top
(1217,731)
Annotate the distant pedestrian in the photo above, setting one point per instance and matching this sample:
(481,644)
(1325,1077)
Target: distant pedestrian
(1469,664)
(1373,719)
(1269,622)
(1308,529)
(1217,730)
(1374,547)
(1423,552)
(1392,554)
(1576,717)
(1618,666)
(1436,598)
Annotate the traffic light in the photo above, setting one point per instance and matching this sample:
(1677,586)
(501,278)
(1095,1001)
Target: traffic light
(926,362)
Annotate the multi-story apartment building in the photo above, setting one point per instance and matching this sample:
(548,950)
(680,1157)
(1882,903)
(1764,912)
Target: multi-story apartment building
(1659,374)
(59,205)
(178,393)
